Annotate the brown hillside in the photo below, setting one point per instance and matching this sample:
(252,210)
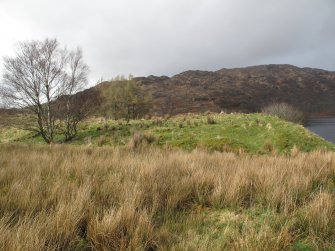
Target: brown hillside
(243,89)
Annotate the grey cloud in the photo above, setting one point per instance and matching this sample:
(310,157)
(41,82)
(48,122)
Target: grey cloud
(169,36)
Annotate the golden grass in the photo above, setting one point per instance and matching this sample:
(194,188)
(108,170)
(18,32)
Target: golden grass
(81,198)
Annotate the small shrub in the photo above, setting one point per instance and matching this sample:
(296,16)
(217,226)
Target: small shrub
(268,146)
(106,127)
(158,122)
(286,112)
(140,139)
(167,116)
(283,142)
(149,138)
(294,151)
(88,140)
(102,140)
(210,120)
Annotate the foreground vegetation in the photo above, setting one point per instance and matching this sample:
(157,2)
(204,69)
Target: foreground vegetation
(88,198)
(251,133)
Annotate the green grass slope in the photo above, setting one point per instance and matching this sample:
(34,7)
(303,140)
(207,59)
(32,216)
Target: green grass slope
(251,133)
(254,133)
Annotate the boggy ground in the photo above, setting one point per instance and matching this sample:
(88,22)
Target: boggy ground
(64,197)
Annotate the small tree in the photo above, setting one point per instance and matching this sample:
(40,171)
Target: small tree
(286,112)
(41,74)
(126,99)
(72,109)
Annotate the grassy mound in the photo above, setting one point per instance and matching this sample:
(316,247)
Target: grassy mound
(252,133)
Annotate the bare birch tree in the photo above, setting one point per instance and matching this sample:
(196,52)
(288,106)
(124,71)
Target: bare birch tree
(38,76)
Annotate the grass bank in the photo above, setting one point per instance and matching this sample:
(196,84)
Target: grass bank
(88,198)
(251,133)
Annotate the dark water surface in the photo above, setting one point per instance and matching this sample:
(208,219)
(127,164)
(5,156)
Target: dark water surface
(325,127)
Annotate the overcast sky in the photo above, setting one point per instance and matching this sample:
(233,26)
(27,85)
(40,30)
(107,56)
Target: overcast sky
(166,37)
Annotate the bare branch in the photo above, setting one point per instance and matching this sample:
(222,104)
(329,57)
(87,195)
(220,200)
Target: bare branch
(38,76)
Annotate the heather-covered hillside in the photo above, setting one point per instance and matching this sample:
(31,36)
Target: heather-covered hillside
(243,89)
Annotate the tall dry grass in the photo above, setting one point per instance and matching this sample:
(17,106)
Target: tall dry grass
(82,198)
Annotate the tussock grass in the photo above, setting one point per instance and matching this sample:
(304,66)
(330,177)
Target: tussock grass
(82,198)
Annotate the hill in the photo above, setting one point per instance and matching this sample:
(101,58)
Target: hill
(242,89)
(246,89)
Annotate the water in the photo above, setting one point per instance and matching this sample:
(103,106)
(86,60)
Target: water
(325,127)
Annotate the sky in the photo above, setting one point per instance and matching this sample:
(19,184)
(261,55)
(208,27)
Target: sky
(166,37)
